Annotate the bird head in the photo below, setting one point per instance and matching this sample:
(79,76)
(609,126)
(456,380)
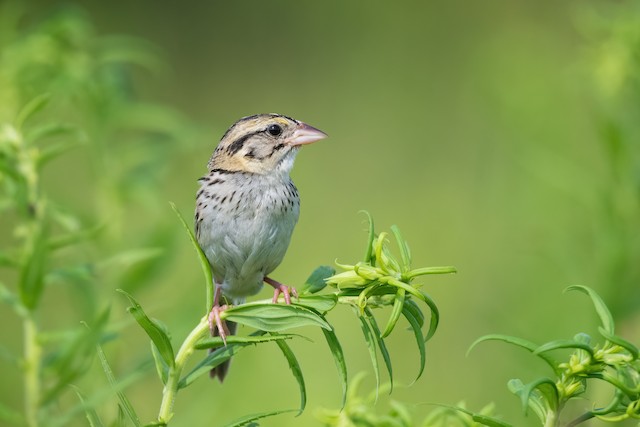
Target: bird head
(263,144)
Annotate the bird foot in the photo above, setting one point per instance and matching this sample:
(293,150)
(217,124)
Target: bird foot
(279,288)
(217,326)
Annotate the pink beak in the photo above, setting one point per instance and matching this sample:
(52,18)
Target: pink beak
(305,134)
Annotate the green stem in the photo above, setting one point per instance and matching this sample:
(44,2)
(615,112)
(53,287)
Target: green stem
(171,388)
(31,368)
(552,419)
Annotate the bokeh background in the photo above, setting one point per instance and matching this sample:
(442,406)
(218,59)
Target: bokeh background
(501,137)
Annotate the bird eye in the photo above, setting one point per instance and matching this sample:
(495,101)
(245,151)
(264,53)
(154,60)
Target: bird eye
(274,130)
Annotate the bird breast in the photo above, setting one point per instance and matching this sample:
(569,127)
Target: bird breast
(244,224)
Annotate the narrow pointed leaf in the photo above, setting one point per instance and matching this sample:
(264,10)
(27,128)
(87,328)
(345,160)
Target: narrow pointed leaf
(560,344)
(296,370)
(31,282)
(381,345)
(124,401)
(547,392)
(153,330)
(214,359)
(319,303)
(215,342)
(162,368)
(434,320)
(55,150)
(90,412)
(204,263)
(31,108)
(405,253)
(371,346)
(49,130)
(395,313)
(481,419)
(250,419)
(368,256)
(417,331)
(601,308)
(338,357)
(415,310)
(430,270)
(632,349)
(274,317)
(317,281)
(519,342)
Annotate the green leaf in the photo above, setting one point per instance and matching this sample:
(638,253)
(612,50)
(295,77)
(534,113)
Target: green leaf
(49,130)
(153,329)
(204,262)
(484,420)
(381,345)
(214,359)
(519,342)
(416,326)
(296,370)
(73,356)
(55,150)
(405,253)
(124,401)
(9,298)
(249,419)
(368,256)
(371,345)
(434,320)
(65,240)
(127,259)
(548,393)
(338,358)
(215,342)
(560,344)
(411,306)
(106,393)
(601,308)
(319,303)
(395,313)
(317,280)
(162,368)
(535,402)
(429,270)
(632,349)
(31,282)
(274,317)
(90,412)
(31,108)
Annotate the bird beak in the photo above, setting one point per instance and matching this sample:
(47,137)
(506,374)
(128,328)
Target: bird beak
(305,134)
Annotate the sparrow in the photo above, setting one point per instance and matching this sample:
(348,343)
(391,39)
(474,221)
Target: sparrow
(246,209)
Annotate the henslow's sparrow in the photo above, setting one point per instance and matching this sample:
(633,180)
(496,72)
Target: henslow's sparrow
(246,209)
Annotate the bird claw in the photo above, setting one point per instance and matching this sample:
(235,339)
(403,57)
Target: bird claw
(217,326)
(279,288)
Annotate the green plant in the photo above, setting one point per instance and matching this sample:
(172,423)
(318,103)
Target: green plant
(376,282)
(64,89)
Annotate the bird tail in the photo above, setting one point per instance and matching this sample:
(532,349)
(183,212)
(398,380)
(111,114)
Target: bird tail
(221,370)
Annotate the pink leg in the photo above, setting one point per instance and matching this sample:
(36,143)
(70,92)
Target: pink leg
(279,288)
(216,325)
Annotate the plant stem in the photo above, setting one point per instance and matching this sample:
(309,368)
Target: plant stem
(553,420)
(31,368)
(171,388)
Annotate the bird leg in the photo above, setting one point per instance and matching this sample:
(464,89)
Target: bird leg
(217,326)
(279,288)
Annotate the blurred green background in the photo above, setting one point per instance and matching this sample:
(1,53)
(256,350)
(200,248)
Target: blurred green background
(499,136)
